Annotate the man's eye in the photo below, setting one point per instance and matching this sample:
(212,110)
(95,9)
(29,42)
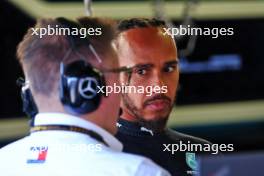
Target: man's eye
(169,69)
(141,71)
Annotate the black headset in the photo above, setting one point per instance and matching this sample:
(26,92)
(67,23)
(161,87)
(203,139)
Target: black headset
(79,81)
(78,88)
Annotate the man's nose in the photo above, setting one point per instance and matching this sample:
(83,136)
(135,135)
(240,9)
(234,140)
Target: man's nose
(157,80)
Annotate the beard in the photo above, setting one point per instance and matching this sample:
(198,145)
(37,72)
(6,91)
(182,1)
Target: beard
(157,124)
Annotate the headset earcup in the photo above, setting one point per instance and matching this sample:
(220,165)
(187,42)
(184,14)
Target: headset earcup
(63,88)
(75,99)
(91,104)
(71,77)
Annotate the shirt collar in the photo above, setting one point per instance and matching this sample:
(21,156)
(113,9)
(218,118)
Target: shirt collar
(134,129)
(66,119)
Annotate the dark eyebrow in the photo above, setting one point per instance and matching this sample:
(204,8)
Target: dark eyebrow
(173,62)
(126,68)
(144,66)
(117,70)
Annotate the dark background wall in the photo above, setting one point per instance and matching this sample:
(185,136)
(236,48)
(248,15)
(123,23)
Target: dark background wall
(14,25)
(227,85)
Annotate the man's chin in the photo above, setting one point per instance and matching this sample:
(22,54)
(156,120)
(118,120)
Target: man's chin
(155,122)
(156,116)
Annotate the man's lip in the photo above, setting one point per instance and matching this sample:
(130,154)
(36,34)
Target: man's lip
(158,104)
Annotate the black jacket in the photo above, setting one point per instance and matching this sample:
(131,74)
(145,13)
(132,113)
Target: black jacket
(158,147)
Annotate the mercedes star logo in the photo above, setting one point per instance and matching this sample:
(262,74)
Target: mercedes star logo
(88,87)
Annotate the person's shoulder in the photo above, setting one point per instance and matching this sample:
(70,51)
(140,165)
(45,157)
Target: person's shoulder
(11,152)
(178,136)
(16,145)
(137,165)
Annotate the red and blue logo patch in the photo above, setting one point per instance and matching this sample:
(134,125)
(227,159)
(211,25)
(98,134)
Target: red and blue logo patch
(37,154)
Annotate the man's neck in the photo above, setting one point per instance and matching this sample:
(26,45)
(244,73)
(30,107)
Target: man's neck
(132,119)
(128,116)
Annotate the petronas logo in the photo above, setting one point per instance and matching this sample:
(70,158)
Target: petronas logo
(190,160)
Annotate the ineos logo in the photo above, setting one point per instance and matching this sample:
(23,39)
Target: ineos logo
(88,87)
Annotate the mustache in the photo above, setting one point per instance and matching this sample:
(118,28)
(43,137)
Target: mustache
(157,97)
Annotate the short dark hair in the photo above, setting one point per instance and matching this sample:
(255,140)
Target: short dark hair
(41,57)
(139,23)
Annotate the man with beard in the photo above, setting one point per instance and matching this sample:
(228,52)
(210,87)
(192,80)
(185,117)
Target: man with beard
(143,45)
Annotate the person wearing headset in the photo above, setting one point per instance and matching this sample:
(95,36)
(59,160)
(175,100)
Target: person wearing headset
(72,133)
(143,45)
